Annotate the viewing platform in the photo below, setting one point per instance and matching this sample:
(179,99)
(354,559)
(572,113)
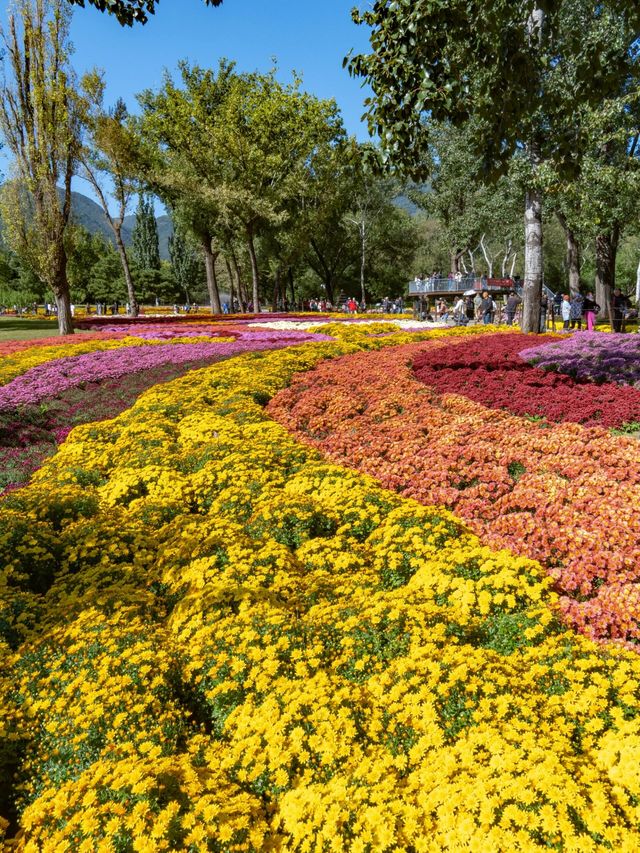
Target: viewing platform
(441,286)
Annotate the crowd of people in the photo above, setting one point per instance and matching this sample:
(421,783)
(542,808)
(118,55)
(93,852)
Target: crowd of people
(480,308)
(575,310)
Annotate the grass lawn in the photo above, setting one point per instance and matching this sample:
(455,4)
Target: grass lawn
(18,329)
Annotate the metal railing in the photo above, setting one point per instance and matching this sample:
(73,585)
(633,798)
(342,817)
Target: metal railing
(440,284)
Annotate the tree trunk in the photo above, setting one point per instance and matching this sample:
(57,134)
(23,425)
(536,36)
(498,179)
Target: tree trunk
(363,258)
(532,290)
(124,260)
(293,289)
(455,261)
(638,285)
(276,290)
(573,255)
(60,286)
(505,259)
(573,263)
(242,296)
(488,260)
(210,267)
(65,320)
(255,276)
(606,250)
(231,288)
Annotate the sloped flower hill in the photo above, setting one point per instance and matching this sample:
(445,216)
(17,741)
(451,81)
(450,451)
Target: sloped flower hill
(47,389)
(214,637)
(433,423)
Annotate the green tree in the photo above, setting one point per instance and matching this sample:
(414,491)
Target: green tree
(520,69)
(129,12)
(391,250)
(329,239)
(266,137)
(452,194)
(108,156)
(40,122)
(597,207)
(183,165)
(144,239)
(232,155)
(85,252)
(106,281)
(186,263)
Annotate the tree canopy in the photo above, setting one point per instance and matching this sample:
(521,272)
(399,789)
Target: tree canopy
(40,119)
(129,12)
(528,73)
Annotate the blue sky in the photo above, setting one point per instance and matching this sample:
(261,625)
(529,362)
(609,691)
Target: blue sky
(309,37)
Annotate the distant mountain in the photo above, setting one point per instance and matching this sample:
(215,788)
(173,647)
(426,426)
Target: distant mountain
(403,201)
(165,230)
(90,215)
(406,204)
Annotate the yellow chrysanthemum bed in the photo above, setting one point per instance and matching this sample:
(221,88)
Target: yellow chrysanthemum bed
(214,640)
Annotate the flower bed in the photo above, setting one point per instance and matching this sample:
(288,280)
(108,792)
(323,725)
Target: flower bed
(39,406)
(129,355)
(493,371)
(30,434)
(591,356)
(95,322)
(217,640)
(561,494)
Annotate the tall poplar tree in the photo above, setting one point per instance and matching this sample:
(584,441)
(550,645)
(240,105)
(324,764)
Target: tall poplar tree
(144,239)
(39,119)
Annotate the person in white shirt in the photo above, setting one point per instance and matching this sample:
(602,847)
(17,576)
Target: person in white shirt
(565,309)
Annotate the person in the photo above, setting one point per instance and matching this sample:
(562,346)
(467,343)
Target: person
(513,300)
(442,310)
(459,311)
(590,308)
(352,306)
(486,308)
(470,309)
(484,280)
(619,304)
(544,308)
(477,301)
(565,309)
(557,302)
(575,315)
